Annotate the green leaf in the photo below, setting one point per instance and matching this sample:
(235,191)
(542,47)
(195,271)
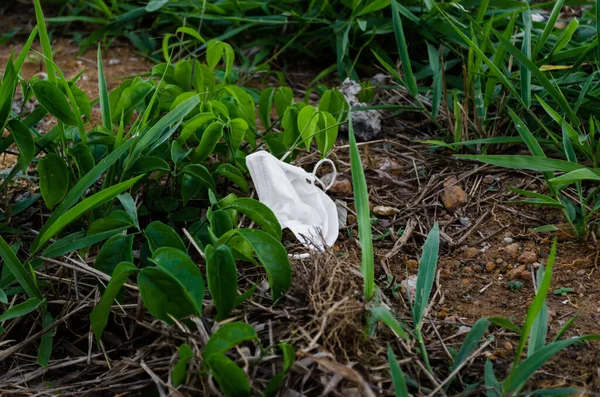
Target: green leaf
(271,255)
(220,223)
(289,122)
(79,190)
(258,212)
(237,128)
(436,69)
(103,94)
(221,276)
(471,341)
(54,101)
(117,249)
(505,323)
(363,214)
(233,174)
(179,372)
(493,387)
(76,241)
(161,235)
(535,308)
(383,314)
(210,137)
(411,83)
(284,98)
(265,103)
(289,356)
(24,141)
(99,316)
(228,336)
(178,154)
(152,135)
(21,309)
(195,124)
(522,372)
(201,174)
(518,162)
(334,103)
(54,179)
(3,297)
(398,379)
(327,135)
(583,174)
(149,164)
(163,296)
(308,118)
(129,206)
(83,156)
(155,5)
(86,205)
(373,6)
(180,267)
(231,378)
(426,274)
(539,329)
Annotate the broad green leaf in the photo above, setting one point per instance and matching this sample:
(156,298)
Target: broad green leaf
(179,372)
(233,174)
(383,314)
(228,336)
(210,137)
(195,124)
(24,141)
(99,316)
(191,32)
(426,274)
(83,156)
(265,104)
(161,235)
(238,128)
(220,223)
(54,101)
(327,135)
(82,101)
(54,179)
(308,118)
(334,103)
(178,154)
(373,6)
(149,164)
(231,378)
(163,296)
(21,309)
(3,297)
(201,174)
(398,379)
(221,276)
(270,254)
(117,249)
(178,265)
(86,205)
(289,122)
(245,104)
(262,215)
(284,98)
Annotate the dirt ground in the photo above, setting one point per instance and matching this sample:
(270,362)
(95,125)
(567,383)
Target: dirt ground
(486,244)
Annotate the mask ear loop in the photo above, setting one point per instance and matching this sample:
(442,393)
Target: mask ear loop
(333,176)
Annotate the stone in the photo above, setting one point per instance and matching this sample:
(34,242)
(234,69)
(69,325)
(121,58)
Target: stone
(490,266)
(389,166)
(453,196)
(383,210)
(508,240)
(512,250)
(341,187)
(527,257)
(516,273)
(365,123)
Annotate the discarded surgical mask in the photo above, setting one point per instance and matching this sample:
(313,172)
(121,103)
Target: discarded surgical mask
(299,205)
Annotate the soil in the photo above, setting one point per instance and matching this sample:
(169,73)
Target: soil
(486,243)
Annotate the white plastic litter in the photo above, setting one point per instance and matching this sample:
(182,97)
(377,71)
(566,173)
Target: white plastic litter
(299,205)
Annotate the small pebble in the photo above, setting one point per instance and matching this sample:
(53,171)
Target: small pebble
(508,240)
(527,257)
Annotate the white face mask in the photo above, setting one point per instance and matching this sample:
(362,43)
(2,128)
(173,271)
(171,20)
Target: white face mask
(299,205)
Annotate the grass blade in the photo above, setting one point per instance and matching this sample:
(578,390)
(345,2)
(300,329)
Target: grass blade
(103,94)
(526,48)
(518,162)
(361,197)
(426,274)
(400,387)
(411,83)
(548,29)
(44,41)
